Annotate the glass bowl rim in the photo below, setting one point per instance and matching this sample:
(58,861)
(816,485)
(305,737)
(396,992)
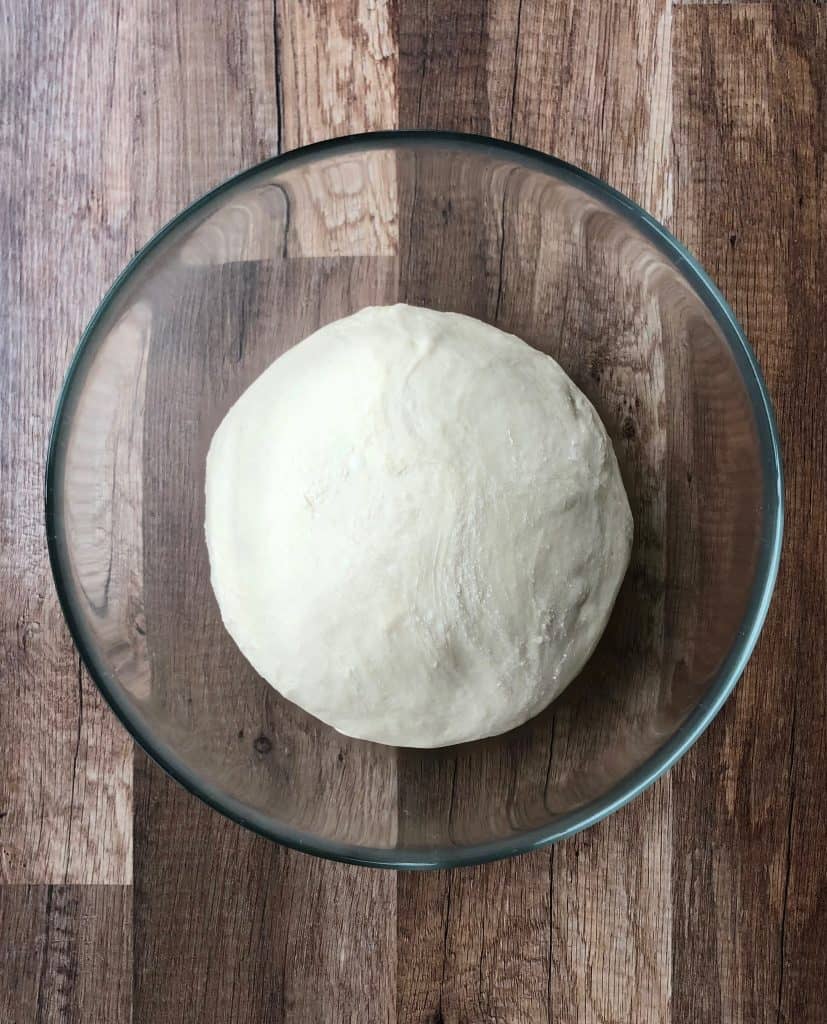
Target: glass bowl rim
(725,679)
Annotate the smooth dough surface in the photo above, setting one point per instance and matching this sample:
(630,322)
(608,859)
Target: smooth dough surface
(416,526)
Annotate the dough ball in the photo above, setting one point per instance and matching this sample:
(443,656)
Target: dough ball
(416,527)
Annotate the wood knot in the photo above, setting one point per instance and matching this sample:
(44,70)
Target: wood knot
(262,744)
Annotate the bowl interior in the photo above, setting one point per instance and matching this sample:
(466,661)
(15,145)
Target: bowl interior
(457,224)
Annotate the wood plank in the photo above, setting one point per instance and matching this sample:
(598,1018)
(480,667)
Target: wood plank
(227,720)
(65,764)
(205,108)
(749,890)
(66,953)
(269,934)
(246,901)
(337,65)
(457,67)
(596,107)
(594,88)
(583,96)
(457,72)
(473,943)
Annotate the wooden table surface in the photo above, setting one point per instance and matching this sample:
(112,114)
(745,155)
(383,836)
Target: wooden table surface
(124,898)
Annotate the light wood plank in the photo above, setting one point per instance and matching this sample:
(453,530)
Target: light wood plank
(594,87)
(247,901)
(205,107)
(337,68)
(457,72)
(65,764)
(337,75)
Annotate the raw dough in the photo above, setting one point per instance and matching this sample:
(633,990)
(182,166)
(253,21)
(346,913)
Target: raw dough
(416,527)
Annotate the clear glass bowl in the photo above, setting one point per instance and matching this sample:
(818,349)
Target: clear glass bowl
(457,223)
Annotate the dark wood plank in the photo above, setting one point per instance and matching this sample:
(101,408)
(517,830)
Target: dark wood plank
(473,943)
(232,927)
(443,66)
(748,881)
(206,110)
(593,87)
(558,87)
(457,72)
(66,953)
(65,764)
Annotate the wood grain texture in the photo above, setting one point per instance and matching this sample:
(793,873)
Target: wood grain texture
(702,901)
(66,954)
(337,70)
(604,102)
(593,86)
(201,102)
(547,86)
(65,764)
(749,889)
(193,866)
(473,944)
(231,927)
